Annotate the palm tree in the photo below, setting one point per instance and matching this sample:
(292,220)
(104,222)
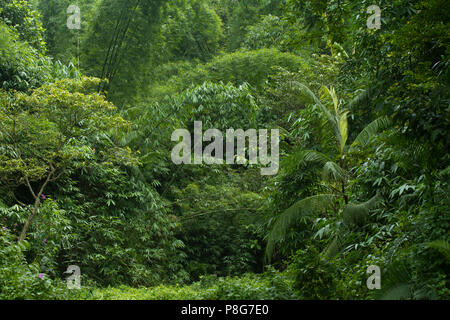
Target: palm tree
(334,172)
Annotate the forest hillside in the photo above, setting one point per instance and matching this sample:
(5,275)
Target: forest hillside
(120,174)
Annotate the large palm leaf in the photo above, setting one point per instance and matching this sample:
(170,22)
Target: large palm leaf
(353,214)
(332,172)
(301,210)
(367,134)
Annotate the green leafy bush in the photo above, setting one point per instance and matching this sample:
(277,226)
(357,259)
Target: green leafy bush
(314,275)
(20,280)
(21,66)
(252,67)
(269,286)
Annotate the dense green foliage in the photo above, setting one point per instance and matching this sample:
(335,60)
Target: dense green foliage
(268,286)
(86,176)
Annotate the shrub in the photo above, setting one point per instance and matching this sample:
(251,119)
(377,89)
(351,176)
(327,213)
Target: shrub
(20,280)
(271,285)
(314,276)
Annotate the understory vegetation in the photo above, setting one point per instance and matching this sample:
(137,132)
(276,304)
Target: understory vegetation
(87,178)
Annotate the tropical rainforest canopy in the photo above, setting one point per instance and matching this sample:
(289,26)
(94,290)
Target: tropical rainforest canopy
(92,90)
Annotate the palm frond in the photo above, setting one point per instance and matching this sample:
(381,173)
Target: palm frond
(396,282)
(336,244)
(343,129)
(334,98)
(337,118)
(340,49)
(313,98)
(401,291)
(308,156)
(366,135)
(361,98)
(333,172)
(301,210)
(305,90)
(355,214)
(442,246)
(315,156)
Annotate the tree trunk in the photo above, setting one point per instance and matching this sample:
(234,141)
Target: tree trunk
(341,164)
(30,217)
(37,202)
